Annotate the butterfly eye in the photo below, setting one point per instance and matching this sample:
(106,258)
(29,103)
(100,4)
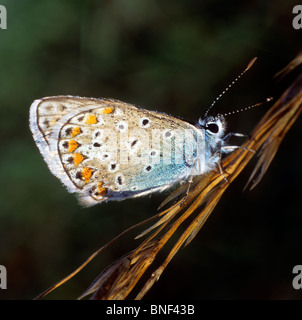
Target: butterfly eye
(213,127)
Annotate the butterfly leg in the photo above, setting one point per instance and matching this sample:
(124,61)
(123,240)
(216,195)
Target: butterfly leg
(220,168)
(232,148)
(190,181)
(228,149)
(234,134)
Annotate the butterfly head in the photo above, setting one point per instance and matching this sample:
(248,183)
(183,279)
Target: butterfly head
(214,126)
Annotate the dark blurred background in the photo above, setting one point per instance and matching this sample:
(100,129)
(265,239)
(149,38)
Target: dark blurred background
(171,56)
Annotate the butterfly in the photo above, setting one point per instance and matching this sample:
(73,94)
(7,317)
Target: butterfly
(105,149)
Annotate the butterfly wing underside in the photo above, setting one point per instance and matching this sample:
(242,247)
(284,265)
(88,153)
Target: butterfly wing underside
(106,149)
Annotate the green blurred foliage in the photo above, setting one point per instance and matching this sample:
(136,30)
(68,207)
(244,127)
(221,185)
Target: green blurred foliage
(172,56)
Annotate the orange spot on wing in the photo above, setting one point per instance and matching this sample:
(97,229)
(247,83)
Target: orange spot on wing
(101,191)
(86,174)
(77,158)
(91,119)
(107,110)
(72,145)
(76,131)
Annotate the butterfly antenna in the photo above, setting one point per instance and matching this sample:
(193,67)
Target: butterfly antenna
(246,108)
(230,85)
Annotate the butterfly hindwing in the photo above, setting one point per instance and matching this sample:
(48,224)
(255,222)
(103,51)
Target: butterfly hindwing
(109,150)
